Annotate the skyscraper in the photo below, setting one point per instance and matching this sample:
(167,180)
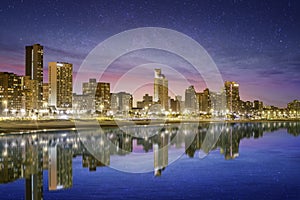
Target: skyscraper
(45,94)
(60,84)
(10,91)
(89,88)
(190,99)
(232,96)
(161,89)
(204,101)
(175,105)
(102,96)
(146,103)
(30,89)
(121,102)
(34,68)
(258,105)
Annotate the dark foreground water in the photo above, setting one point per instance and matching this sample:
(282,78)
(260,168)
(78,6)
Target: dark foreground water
(219,161)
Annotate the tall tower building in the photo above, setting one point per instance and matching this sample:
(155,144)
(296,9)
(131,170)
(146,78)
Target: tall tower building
(60,84)
(34,68)
(89,88)
(11,87)
(190,99)
(161,89)
(146,103)
(204,101)
(121,102)
(45,94)
(102,96)
(30,89)
(232,96)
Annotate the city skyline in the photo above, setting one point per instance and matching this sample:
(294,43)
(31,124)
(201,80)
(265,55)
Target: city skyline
(170,99)
(261,54)
(97,96)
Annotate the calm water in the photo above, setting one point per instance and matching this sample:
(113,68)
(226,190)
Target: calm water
(179,161)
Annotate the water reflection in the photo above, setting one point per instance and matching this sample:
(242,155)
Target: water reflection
(26,156)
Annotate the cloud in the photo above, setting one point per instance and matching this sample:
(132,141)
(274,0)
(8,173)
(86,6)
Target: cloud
(59,52)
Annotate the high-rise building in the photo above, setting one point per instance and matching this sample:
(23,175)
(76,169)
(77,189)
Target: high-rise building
(89,88)
(82,102)
(204,101)
(258,105)
(45,94)
(161,89)
(190,99)
(11,88)
(246,106)
(175,105)
(147,102)
(30,89)
(121,102)
(97,94)
(102,97)
(34,68)
(88,92)
(181,103)
(218,103)
(294,105)
(60,84)
(232,96)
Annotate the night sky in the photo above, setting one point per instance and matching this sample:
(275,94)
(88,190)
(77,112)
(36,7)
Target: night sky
(256,43)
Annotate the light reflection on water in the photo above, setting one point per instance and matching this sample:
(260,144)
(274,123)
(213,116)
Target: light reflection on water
(43,163)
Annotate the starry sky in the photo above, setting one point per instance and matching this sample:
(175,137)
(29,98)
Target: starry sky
(256,43)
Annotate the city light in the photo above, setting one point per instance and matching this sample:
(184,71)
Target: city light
(97,100)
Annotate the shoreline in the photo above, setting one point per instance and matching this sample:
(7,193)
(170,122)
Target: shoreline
(24,126)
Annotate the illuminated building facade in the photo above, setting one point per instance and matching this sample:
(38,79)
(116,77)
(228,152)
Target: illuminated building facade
(232,96)
(60,84)
(30,91)
(175,105)
(34,68)
(11,87)
(146,103)
(102,97)
(161,89)
(121,102)
(60,167)
(190,99)
(258,105)
(45,94)
(160,150)
(204,101)
(89,88)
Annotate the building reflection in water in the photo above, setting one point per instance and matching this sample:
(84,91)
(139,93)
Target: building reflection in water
(26,156)
(33,169)
(60,167)
(160,150)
